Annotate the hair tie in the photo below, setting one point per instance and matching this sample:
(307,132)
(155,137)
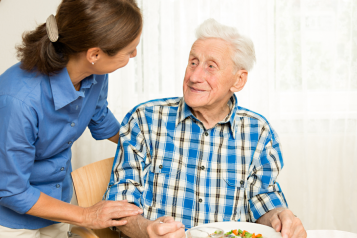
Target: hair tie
(51,28)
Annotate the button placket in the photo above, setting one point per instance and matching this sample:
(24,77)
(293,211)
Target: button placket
(242,183)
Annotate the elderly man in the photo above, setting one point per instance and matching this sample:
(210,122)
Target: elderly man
(202,158)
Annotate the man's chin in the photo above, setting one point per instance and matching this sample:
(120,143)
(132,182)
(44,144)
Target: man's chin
(194,103)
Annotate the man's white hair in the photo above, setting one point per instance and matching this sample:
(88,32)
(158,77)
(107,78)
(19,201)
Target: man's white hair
(242,47)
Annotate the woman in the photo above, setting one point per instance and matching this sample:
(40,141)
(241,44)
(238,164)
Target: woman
(46,102)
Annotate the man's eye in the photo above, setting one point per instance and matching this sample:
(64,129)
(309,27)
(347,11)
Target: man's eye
(211,66)
(193,63)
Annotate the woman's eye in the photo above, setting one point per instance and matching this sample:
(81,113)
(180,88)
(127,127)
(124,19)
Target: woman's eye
(193,63)
(211,66)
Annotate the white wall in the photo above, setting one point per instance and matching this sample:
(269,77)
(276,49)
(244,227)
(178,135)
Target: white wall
(17,16)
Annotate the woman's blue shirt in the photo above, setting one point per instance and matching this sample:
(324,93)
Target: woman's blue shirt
(40,118)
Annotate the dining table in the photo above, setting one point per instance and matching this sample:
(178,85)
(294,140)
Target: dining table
(330,234)
(313,234)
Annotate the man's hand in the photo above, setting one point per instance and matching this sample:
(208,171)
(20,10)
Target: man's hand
(283,220)
(104,214)
(166,227)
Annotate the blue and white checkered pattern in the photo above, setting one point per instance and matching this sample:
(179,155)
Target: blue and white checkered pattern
(167,163)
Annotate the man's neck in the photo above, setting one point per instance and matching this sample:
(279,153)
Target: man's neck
(210,116)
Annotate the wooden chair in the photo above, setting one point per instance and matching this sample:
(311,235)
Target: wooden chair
(90,183)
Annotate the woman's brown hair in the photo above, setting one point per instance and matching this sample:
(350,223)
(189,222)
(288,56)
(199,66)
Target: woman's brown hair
(110,25)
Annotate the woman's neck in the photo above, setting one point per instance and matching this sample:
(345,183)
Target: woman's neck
(77,70)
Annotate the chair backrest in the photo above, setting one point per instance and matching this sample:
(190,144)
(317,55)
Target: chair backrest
(90,183)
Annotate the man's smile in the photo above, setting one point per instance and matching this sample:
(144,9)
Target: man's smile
(196,90)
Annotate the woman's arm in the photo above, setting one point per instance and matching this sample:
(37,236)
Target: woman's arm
(115,138)
(98,216)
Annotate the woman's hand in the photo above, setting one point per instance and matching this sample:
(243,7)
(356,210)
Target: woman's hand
(105,214)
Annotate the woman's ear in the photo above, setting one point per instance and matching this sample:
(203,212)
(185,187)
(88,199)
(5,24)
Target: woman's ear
(93,55)
(241,80)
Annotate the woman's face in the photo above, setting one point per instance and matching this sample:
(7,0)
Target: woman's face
(106,64)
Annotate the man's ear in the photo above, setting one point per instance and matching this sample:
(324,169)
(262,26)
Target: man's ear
(241,80)
(93,55)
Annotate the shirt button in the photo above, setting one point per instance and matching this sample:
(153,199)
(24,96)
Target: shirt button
(200,200)
(206,133)
(241,182)
(202,167)
(69,142)
(73,124)
(62,168)
(160,167)
(57,186)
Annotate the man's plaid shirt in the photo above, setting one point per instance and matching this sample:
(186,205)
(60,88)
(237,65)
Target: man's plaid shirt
(167,163)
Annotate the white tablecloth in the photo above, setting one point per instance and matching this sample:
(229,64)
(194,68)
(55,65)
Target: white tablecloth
(330,234)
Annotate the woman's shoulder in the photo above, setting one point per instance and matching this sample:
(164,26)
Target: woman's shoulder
(20,84)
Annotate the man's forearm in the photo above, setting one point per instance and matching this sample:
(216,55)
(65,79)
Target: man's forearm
(266,218)
(136,226)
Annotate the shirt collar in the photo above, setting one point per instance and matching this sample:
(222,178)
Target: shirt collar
(233,106)
(63,91)
(184,112)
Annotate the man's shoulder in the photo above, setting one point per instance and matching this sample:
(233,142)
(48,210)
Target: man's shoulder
(154,106)
(249,114)
(161,102)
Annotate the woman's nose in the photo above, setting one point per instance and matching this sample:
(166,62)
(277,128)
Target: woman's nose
(133,54)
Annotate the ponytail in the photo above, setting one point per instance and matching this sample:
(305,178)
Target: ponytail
(38,53)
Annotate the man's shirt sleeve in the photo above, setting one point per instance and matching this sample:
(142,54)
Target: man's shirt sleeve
(263,192)
(130,164)
(18,126)
(103,124)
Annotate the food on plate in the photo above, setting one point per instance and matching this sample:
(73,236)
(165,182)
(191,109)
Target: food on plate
(240,233)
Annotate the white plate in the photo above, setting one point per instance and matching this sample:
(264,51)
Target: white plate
(266,231)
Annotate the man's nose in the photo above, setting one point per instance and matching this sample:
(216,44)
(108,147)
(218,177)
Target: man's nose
(197,75)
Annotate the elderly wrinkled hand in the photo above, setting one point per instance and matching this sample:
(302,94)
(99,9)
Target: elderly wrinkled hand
(166,227)
(288,224)
(104,214)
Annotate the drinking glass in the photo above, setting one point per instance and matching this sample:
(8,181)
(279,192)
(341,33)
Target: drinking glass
(205,232)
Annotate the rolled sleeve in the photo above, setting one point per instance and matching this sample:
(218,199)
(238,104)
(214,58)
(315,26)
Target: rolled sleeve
(265,193)
(103,124)
(106,128)
(22,202)
(18,126)
(263,203)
